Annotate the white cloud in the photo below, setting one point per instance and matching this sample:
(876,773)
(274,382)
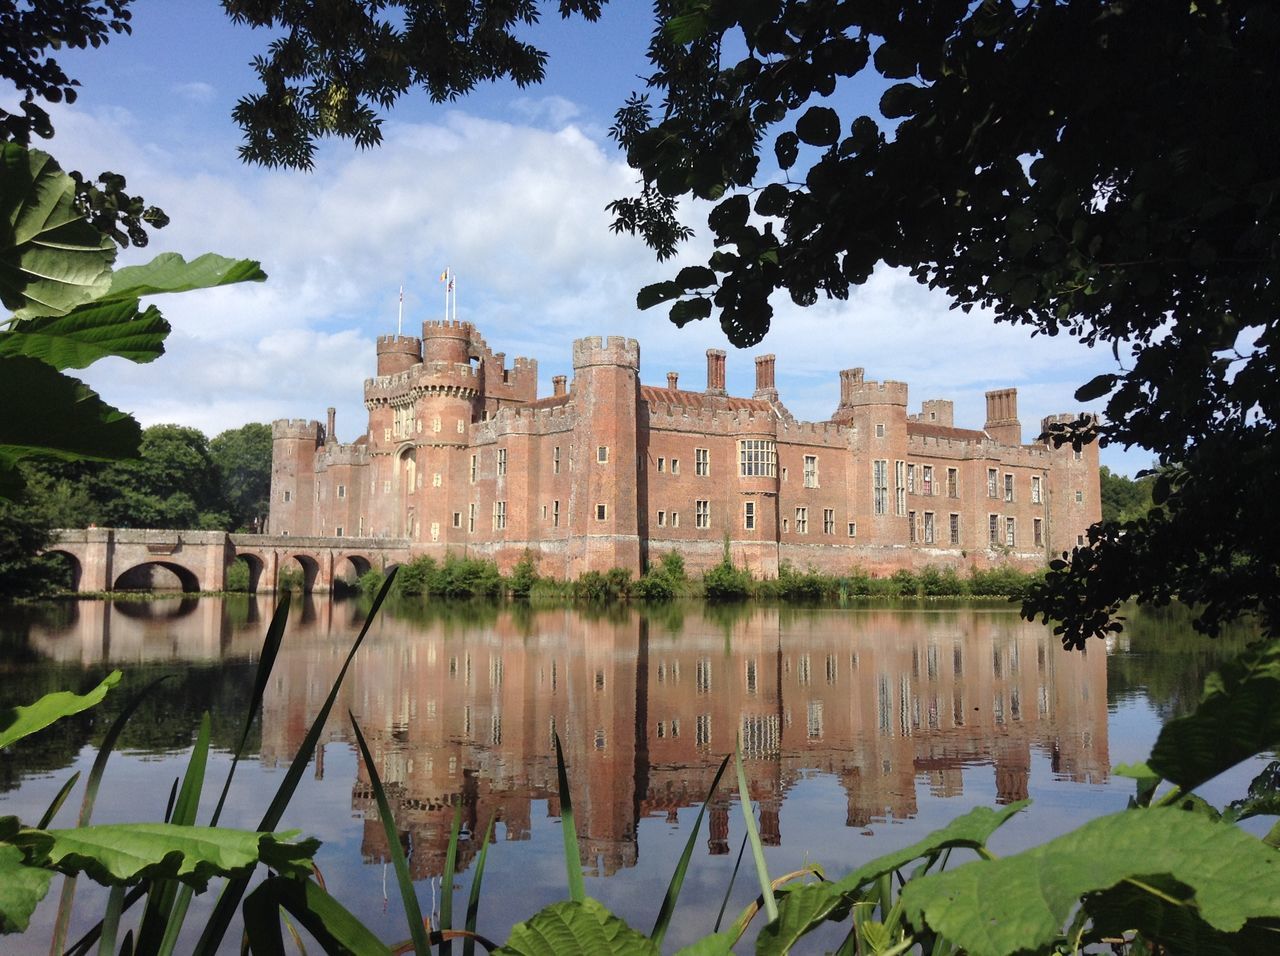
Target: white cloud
(519,213)
(554,111)
(196,91)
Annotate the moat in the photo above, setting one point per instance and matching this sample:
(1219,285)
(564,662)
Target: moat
(861,729)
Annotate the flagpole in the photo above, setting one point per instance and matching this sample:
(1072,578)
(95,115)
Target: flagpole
(445,279)
(453,285)
(400,313)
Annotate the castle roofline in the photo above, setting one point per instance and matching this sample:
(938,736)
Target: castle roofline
(658,395)
(549,401)
(930,430)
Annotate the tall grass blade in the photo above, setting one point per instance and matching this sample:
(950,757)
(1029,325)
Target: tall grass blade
(677,878)
(57,803)
(446,881)
(94,781)
(753,836)
(473,900)
(111,921)
(160,900)
(332,925)
(412,911)
(733,878)
(267,661)
(226,906)
(85,942)
(569,829)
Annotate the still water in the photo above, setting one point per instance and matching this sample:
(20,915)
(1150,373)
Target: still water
(862,730)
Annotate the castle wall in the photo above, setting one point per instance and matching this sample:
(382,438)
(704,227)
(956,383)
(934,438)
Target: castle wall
(461,456)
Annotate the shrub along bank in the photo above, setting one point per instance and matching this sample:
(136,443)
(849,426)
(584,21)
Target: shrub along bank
(464,578)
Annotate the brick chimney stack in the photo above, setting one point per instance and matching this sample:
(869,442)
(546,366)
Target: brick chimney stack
(558,384)
(672,379)
(765,387)
(1002,416)
(329,437)
(715,372)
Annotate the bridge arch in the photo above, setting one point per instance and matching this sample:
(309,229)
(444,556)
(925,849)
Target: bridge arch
(73,563)
(257,564)
(309,564)
(187,578)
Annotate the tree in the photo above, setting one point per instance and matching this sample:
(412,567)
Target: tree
(1124,499)
(1070,166)
(243,458)
(173,483)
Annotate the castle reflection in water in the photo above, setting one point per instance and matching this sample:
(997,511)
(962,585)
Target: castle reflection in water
(647,706)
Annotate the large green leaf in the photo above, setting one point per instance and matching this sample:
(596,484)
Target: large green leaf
(51,259)
(90,332)
(123,852)
(49,413)
(1238,716)
(1021,902)
(576,929)
(21,888)
(169,272)
(804,907)
(19,722)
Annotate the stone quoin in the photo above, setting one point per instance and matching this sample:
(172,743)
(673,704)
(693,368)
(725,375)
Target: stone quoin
(461,456)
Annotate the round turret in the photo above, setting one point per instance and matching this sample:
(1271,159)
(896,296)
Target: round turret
(398,353)
(448,342)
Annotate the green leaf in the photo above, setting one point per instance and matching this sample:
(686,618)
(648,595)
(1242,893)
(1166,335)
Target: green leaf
(717,944)
(1263,798)
(333,926)
(1238,716)
(1096,387)
(568,828)
(408,895)
(687,28)
(22,887)
(51,259)
(88,333)
(124,852)
(572,928)
(1146,779)
(753,836)
(687,310)
(20,722)
(651,295)
(169,272)
(819,126)
(668,907)
(804,907)
(695,277)
(1021,902)
(49,413)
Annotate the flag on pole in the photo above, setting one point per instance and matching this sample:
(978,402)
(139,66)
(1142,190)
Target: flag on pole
(444,276)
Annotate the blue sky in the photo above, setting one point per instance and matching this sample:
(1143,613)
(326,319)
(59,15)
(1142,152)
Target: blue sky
(507,187)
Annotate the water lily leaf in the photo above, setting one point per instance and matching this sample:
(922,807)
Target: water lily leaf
(576,929)
(804,907)
(22,887)
(51,259)
(169,272)
(19,722)
(1237,717)
(88,333)
(1021,902)
(117,853)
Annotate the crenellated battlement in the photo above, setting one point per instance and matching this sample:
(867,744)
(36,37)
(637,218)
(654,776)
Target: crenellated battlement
(614,350)
(342,455)
(855,391)
(297,429)
(398,353)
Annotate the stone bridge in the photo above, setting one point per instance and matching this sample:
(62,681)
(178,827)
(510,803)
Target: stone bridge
(101,557)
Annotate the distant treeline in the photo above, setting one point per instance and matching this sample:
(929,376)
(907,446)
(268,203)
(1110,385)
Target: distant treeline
(181,479)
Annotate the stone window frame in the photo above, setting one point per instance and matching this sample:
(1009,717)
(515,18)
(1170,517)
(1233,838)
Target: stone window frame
(802,519)
(602,511)
(828,520)
(702,513)
(749,515)
(602,454)
(502,462)
(702,462)
(811,471)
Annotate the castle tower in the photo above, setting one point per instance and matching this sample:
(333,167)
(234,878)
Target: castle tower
(603,505)
(877,414)
(1075,495)
(293,475)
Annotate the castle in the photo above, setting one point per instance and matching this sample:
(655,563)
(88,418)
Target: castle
(462,457)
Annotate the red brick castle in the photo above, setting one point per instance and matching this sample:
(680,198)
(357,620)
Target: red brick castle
(462,457)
